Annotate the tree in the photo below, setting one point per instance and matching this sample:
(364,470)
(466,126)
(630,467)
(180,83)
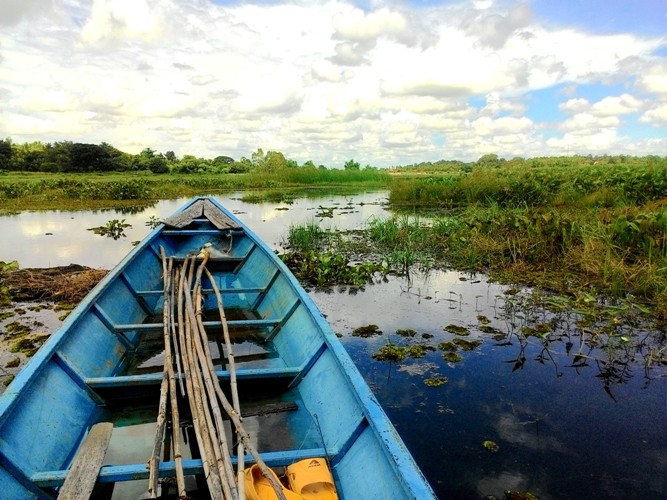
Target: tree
(5,154)
(352,165)
(274,160)
(170,155)
(222,160)
(158,165)
(489,160)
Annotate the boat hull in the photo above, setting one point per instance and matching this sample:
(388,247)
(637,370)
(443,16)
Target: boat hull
(105,363)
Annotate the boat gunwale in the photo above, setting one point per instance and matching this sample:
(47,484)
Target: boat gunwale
(393,447)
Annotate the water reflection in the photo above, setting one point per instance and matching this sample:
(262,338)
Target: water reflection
(59,238)
(574,400)
(559,432)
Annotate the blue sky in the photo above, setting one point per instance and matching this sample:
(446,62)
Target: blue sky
(383,82)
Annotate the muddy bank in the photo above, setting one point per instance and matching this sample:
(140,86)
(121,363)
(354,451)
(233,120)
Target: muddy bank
(33,304)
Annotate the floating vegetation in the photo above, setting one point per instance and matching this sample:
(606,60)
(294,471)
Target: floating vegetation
(457,330)
(6,314)
(419,350)
(8,266)
(490,329)
(540,330)
(447,346)
(324,269)
(366,331)
(452,357)
(113,229)
(492,446)
(409,332)
(391,352)
(436,381)
(483,319)
(467,345)
(427,336)
(325,212)
(153,222)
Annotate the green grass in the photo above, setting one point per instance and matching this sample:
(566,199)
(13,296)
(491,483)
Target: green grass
(35,191)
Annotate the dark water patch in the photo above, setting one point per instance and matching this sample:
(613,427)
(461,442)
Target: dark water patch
(575,411)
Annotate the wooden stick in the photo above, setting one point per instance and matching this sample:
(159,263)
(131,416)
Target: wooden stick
(154,461)
(175,419)
(199,336)
(195,396)
(240,453)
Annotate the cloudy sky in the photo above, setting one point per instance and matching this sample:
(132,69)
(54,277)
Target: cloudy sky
(384,82)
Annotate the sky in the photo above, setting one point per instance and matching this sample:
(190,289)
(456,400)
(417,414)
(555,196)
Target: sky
(383,82)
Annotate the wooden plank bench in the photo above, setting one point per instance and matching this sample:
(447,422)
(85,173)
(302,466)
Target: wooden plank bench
(82,476)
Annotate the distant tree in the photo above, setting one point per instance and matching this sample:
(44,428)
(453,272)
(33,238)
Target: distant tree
(489,160)
(5,154)
(309,165)
(274,160)
(170,156)
(58,157)
(352,165)
(222,160)
(191,165)
(158,165)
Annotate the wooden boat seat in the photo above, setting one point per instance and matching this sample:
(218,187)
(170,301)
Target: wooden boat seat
(127,472)
(81,478)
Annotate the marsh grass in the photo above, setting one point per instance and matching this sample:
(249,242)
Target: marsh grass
(23,190)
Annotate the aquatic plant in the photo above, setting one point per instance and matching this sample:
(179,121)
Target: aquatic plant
(492,446)
(457,330)
(436,381)
(113,229)
(323,269)
(366,331)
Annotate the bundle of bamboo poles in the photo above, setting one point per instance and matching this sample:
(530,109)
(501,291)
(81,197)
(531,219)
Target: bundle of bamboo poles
(187,357)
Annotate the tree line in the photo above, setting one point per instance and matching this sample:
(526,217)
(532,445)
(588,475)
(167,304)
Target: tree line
(68,156)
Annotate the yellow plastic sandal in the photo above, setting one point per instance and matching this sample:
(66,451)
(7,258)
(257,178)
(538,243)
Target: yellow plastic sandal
(312,479)
(257,487)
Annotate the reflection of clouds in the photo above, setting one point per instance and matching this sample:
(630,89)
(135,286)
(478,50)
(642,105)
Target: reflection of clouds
(525,433)
(418,369)
(34,228)
(504,481)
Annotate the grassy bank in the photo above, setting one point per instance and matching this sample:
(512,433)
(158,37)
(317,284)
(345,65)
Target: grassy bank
(35,191)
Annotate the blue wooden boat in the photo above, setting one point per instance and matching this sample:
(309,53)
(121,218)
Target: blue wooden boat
(300,394)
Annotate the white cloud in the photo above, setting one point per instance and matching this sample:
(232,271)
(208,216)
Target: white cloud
(617,105)
(325,80)
(656,116)
(120,20)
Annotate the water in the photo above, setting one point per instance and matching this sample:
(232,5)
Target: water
(571,419)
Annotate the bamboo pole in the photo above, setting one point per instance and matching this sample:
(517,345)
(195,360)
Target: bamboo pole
(240,453)
(175,419)
(221,449)
(194,394)
(154,461)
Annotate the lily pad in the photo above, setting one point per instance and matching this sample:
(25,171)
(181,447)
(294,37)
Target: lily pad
(492,446)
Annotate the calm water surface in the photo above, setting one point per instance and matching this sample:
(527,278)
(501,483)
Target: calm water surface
(566,426)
